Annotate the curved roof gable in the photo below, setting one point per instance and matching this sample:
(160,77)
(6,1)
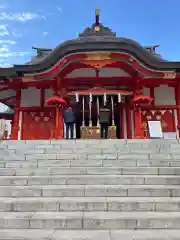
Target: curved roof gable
(95,38)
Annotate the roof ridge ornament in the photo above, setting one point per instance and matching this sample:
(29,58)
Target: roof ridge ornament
(97,14)
(97,28)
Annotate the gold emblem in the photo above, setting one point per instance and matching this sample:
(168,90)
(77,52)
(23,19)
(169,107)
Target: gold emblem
(98,131)
(98,56)
(97,28)
(97,11)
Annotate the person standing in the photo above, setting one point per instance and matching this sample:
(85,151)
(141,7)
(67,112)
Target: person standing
(104,118)
(69,120)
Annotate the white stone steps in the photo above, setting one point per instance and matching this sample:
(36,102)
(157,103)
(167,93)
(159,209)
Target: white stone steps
(121,204)
(89,163)
(89,170)
(33,234)
(94,184)
(91,191)
(32,155)
(90,179)
(89,220)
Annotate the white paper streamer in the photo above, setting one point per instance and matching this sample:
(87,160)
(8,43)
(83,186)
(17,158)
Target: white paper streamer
(90,106)
(90,97)
(119,97)
(105,98)
(77,97)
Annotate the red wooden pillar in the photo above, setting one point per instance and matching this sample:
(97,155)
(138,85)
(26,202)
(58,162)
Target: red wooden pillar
(61,127)
(122,122)
(15,122)
(138,122)
(128,120)
(59,122)
(177,95)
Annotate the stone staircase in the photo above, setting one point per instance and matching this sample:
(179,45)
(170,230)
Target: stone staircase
(90,189)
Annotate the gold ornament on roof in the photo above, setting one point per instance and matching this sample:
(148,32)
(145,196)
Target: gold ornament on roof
(97,28)
(97,11)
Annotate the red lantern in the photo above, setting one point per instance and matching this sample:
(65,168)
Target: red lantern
(56,101)
(141,99)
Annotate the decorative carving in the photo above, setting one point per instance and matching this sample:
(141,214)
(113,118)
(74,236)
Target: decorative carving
(36,119)
(171,75)
(28,79)
(36,126)
(46,119)
(98,56)
(165,116)
(98,59)
(158,117)
(32,114)
(153,111)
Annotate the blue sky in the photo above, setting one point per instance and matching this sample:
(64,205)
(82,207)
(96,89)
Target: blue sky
(45,23)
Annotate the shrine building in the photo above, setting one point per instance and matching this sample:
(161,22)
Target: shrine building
(95,69)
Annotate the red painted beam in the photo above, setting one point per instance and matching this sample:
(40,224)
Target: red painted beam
(167,107)
(4,89)
(43,83)
(7,99)
(6,117)
(34,108)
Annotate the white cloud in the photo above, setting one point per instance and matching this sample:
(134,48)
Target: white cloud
(12,42)
(16,34)
(5,65)
(7,54)
(22,17)
(45,33)
(4,30)
(4,48)
(13,54)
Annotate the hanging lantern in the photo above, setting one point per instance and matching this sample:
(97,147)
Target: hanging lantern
(77,97)
(119,98)
(105,98)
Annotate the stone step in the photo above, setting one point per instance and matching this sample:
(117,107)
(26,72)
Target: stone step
(110,154)
(121,204)
(91,191)
(90,163)
(89,220)
(89,170)
(90,179)
(34,234)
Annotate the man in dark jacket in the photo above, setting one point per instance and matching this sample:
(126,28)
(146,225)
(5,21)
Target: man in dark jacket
(104,117)
(69,120)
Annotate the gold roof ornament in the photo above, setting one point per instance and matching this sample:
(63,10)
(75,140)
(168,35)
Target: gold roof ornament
(97,25)
(97,28)
(97,11)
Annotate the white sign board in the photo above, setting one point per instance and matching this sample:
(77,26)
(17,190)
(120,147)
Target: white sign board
(155,129)
(170,135)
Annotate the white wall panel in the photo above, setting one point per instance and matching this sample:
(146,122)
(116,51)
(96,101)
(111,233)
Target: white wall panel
(164,95)
(30,97)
